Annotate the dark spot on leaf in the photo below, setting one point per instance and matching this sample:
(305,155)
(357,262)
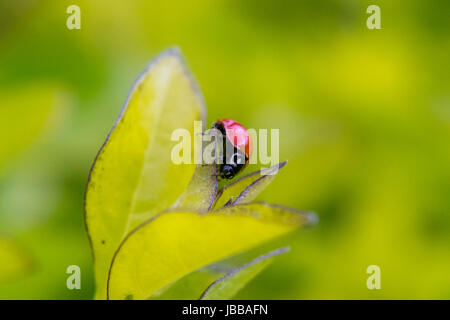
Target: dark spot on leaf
(129,297)
(103,241)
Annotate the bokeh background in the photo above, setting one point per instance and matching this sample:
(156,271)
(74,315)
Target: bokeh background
(364,119)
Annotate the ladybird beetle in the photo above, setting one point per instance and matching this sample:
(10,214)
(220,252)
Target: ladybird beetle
(237,148)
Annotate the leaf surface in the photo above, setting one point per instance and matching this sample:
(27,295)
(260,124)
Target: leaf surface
(230,284)
(174,244)
(133,177)
(201,191)
(246,188)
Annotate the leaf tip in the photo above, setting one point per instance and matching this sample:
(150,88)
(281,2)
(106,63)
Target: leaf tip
(175,52)
(312,218)
(171,51)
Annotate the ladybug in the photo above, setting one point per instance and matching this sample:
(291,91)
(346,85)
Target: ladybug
(236,150)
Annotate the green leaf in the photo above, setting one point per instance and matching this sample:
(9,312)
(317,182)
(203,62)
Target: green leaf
(133,177)
(16,262)
(192,286)
(201,191)
(173,244)
(227,286)
(246,188)
(189,287)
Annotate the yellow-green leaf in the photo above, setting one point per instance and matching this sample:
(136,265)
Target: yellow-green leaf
(189,287)
(201,191)
(15,262)
(173,244)
(246,188)
(230,284)
(133,176)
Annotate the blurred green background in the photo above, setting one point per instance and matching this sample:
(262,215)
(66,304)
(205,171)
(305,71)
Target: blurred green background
(364,119)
